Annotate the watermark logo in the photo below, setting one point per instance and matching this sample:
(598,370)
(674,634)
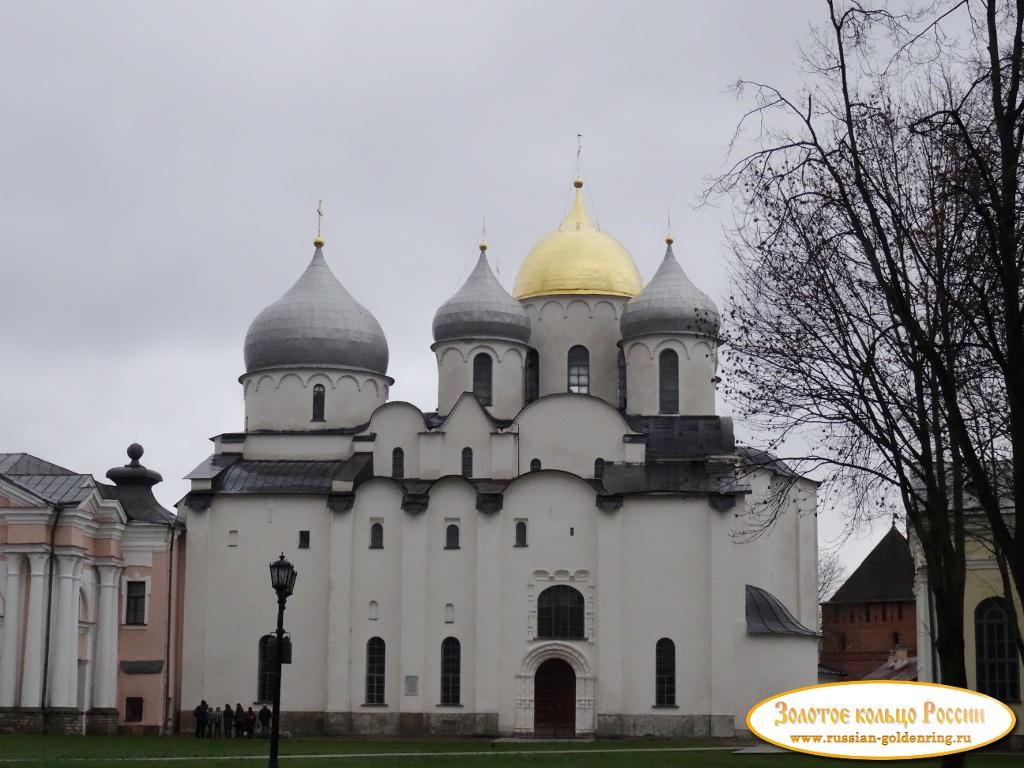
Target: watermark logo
(883,720)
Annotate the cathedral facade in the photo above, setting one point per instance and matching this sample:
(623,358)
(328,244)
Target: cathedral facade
(550,552)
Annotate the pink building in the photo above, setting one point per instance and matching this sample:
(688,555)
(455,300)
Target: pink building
(90,585)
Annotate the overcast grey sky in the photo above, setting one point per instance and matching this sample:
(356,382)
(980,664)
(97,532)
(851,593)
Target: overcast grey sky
(161,164)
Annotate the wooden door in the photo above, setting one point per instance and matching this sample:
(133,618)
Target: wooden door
(554,700)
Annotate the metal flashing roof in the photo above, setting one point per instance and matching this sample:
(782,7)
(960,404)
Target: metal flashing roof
(766,615)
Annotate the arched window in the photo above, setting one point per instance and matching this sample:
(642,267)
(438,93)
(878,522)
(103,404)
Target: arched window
(483,373)
(665,673)
(376,536)
(451,536)
(598,469)
(560,613)
(267,666)
(372,613)
(449,613)
(668,381)
(451,670)
(532,380)
(620,381)
(318,402)
(467,462)
(579,370)
(995,652)
(520,533)
(375,653)
(398,463)
(535,465)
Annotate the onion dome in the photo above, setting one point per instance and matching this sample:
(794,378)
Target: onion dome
(670,303)
(578,258)
(481,309)
(316,324)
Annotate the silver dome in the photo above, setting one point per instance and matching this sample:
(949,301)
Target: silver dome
(670,303)
(481,309)
(316,324)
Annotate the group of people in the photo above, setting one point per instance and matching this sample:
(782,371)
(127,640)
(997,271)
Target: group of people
(214,723)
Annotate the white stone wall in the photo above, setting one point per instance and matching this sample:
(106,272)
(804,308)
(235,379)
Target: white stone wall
(698,361)
(455,374)
(282,399)
(561,322)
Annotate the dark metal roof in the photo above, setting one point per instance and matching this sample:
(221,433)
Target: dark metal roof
(670,303)
(690,477)
(481,308)
(886,575)
(27,464)
(755,458)
(289,476)
(675,437)
(316,323)
(766,615)
(213,466)
(56,489)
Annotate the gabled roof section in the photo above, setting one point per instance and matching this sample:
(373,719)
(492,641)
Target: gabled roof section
(27,464)
(53,488)
(766,615)
(886,575)
(304,477)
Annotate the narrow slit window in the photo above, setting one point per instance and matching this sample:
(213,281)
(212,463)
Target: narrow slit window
(398,463)
(467,462)
(451,671)
(376,536)
(620,381)
(520,533)
(375,657)
(532,381)
(665,673)
(319,394)
(598,469)
(668,381)
(451,536)
(483,378)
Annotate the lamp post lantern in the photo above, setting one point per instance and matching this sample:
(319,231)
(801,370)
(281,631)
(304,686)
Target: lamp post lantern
(282,579)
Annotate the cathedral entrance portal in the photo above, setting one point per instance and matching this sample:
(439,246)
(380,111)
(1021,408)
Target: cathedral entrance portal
(554,700)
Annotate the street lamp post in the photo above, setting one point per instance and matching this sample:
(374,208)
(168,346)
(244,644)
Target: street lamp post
(282,578)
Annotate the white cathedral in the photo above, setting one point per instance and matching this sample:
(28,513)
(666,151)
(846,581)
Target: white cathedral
(551,552)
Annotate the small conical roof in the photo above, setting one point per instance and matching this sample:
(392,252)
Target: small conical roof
(670,303)
(886,574)
(481,308)
(316,324)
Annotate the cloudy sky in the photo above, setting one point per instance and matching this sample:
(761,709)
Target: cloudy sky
(161,165)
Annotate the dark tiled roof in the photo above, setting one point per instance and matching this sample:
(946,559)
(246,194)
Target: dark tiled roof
(213,466)
(674,437)
(766,615)
(886,575)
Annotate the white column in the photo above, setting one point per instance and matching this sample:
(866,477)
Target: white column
(35,624)
(64,635)
(105,671)
(12,632)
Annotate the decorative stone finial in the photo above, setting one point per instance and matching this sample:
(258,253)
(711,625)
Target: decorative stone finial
(669,239)
(135,452)
(483,246)
(578,183)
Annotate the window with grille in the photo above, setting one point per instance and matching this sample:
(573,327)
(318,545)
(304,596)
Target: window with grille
(598,469)
(375,671)
(620,381)
(520,533)
(133,709)
(532,380)
(535,465)
(265,676)
(135,603)
(579,370)
(560,613)
(467,462)
(451,536)
(376,536)
(483,372)
(398,463)
(995,652)
(665,673)
(668,381)
(451,671)
(318,402)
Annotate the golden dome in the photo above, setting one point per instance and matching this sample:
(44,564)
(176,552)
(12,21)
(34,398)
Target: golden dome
(577,258)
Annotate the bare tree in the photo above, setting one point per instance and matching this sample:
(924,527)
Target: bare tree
(830,575)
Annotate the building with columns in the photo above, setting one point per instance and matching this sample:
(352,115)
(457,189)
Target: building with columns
(89,599)
(552,550)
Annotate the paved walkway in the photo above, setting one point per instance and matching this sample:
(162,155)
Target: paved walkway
(360,755)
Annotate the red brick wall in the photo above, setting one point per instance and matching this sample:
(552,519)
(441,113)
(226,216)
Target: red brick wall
(858,637)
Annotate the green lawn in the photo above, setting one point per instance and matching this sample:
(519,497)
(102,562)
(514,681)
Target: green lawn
(107,752)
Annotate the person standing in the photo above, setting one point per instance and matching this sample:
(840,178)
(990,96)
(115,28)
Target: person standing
(265,715)
(250,723)
(216,719)
(229,720)
(239,721)
(200,714)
